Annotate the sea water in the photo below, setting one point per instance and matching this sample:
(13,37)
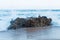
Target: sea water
(50,33)
(7,15)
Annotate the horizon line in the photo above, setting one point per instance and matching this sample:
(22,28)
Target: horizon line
(26,10)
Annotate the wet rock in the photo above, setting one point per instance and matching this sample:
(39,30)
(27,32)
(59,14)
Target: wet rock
(31,22)
(17,23)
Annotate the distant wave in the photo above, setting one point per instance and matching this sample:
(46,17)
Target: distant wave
(29,10)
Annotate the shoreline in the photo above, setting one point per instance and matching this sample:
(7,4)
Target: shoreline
(31,33)
(28,28)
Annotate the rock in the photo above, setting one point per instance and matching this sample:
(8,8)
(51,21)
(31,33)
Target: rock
(17,23)
(49,21)
(31,22)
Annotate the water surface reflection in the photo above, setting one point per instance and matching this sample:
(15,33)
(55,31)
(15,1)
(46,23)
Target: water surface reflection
(36,33)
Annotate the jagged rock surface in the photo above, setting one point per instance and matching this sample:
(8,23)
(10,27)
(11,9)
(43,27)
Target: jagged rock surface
(31,22)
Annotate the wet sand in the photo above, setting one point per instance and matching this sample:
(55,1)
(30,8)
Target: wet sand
(35,33)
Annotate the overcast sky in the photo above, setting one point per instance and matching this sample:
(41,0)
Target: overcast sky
(29,4)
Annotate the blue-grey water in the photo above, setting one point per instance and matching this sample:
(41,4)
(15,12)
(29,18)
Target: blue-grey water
(52,32)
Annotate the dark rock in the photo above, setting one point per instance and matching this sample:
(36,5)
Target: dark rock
(17,23)
(31,22)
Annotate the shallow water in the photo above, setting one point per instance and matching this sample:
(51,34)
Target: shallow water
(29,33)
(45,33)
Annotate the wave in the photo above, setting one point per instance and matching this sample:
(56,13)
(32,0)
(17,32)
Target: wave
(29,10)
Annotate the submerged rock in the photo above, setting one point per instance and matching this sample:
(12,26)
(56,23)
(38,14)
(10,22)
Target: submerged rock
(31,22)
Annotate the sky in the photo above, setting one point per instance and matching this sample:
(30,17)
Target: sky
(29,4)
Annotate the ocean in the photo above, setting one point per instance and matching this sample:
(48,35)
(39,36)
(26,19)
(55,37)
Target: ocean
(7,15)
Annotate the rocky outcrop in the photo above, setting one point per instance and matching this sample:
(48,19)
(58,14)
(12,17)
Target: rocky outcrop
(31,22)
